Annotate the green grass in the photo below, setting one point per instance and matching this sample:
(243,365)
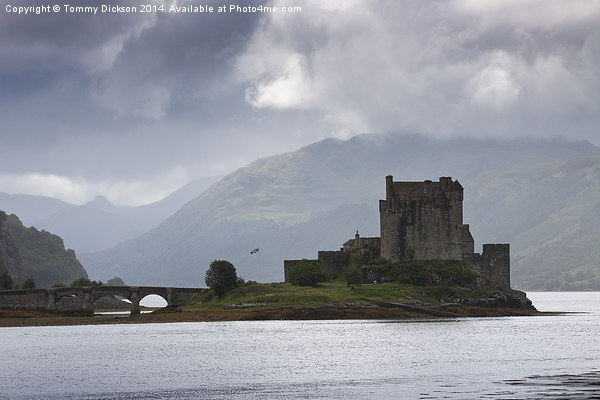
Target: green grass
(330,293)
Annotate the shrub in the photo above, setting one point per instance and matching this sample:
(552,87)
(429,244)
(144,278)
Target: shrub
(432,272)
(6,281)
(359,258)
(354,276)
(85,282)
(28,283)
(116,281)
(221,277)
(307,273)
(381,262)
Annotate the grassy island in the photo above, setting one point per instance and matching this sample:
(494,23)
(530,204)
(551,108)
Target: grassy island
(336,300)
(419,289)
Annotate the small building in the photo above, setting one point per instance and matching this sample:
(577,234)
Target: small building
(337,261)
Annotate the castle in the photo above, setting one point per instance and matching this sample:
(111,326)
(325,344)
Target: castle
(421,221)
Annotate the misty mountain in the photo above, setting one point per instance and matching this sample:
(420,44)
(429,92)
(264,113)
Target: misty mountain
(525,192)
(93,226)
(98,224)
(29,207)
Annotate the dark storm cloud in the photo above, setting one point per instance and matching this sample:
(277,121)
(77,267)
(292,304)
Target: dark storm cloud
(100,99)
(134,64)
(451,67)
(179,60)
(95,104)
(64,76)
(47,64)
(53,42)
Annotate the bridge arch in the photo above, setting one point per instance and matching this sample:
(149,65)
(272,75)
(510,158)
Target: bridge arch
(84,298)
(153,300)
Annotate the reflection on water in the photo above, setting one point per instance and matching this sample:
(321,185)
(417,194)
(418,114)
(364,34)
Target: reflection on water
(573,302)
(564,386)
(149,301)
(554,356)
(119,313)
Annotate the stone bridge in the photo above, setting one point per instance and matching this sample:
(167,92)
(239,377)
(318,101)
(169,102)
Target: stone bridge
(83,298)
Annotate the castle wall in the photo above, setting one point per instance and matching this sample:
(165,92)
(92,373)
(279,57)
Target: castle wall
(334,262)
(493,263)
(288,265)
(337,262)
(391,225)
(425,216)
(468,242)
(371,245)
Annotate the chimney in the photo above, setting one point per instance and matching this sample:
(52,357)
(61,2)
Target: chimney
(388,186)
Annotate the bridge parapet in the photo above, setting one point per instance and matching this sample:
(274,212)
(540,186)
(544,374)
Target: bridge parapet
(83,298)
(27,299)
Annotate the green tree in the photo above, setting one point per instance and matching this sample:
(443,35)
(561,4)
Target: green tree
(354,276)
(116,281)
(221,277)
(307,273)
(359,258)
(381,262)
(85,282)
(6,281)
(28,283)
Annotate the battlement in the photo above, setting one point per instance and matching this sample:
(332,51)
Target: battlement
(493,263)
(423,216)
(423,221)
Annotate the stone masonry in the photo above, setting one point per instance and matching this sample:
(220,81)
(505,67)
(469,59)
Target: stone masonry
(423,220)
(84,298)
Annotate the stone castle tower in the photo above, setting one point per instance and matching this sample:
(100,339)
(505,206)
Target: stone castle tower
(422,221)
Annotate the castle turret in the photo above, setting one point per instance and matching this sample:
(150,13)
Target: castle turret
(425,217)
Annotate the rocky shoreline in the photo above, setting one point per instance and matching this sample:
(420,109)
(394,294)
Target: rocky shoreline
(383,311)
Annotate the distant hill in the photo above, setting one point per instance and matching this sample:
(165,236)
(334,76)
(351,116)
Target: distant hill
(29,253)
(98,224)
(30,207)
(529,193)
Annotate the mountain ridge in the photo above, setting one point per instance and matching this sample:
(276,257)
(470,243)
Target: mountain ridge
(268,199)
(97,224)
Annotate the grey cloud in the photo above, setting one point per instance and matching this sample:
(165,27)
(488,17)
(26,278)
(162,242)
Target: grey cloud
(127,96)
(437,67)
(181,58)
(58,41)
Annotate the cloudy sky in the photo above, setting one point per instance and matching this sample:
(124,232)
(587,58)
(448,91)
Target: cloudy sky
(134,105)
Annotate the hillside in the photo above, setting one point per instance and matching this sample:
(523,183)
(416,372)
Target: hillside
(29,253)
(98,224)
(10,256)
(294,204)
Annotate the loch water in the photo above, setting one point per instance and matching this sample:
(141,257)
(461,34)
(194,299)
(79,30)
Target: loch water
(553,356)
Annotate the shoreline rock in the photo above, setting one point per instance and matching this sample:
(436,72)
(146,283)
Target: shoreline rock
(382,311)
